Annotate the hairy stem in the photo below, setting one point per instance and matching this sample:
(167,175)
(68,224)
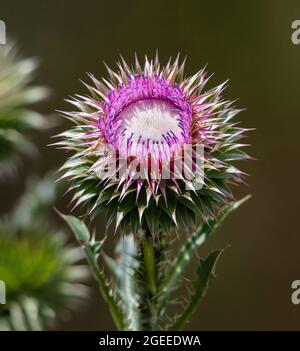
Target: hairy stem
(149,264)
(148,279)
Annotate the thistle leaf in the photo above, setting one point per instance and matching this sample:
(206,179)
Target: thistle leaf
(78,227)
(205,272)
(92,250)
(187,251)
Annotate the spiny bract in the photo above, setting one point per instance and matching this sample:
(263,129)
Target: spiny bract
(146,115)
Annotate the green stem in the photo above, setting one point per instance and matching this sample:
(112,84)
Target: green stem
(149,264)
(149,250)
(104,289)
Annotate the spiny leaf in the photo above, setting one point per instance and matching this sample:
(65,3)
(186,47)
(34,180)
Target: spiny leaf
(78,227)
(205,272)
(92,250)
(187,251)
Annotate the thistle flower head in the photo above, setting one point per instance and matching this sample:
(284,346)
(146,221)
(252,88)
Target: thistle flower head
(146,116)
(152,148)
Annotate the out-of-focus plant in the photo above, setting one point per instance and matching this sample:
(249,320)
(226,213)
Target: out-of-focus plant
(16,118)
(129,134)
(40,270)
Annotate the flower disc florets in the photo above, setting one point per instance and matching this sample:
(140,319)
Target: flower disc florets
(151,148)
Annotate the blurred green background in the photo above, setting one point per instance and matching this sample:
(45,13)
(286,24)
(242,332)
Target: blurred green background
(248,42)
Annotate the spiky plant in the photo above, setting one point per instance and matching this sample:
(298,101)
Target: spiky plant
(130,161)
(16,119)
(39,269)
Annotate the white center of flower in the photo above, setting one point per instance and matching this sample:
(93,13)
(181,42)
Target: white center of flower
(153,121)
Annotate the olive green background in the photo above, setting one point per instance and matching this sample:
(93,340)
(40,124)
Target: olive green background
(248,42)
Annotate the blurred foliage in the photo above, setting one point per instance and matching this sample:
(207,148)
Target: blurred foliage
(39,268)
(16,120)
